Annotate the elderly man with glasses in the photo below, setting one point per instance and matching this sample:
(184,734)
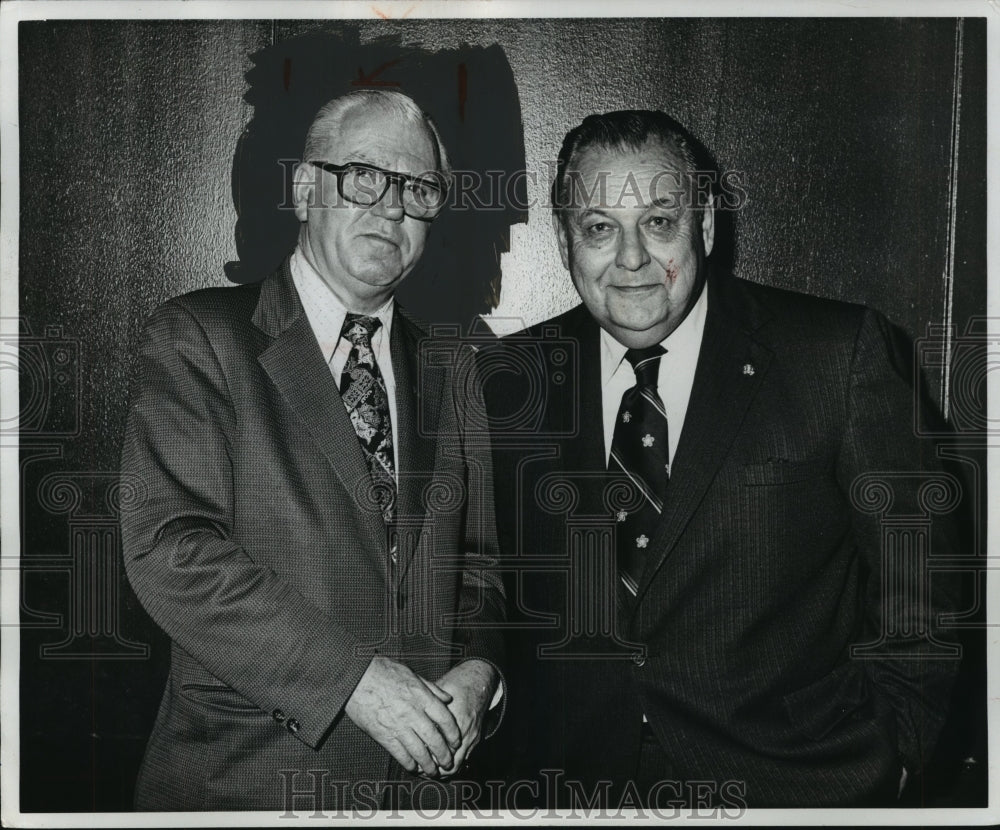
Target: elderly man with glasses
(316,533)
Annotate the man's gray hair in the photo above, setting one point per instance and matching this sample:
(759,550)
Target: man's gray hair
(330,116)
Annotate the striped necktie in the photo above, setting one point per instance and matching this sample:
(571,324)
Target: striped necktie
(639,449)
(363,390)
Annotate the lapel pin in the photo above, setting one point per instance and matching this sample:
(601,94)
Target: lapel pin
(748,369)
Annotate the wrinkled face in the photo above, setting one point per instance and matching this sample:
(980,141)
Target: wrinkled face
(633,242)
(363,253)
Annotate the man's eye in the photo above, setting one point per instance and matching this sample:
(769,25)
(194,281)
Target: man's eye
(658,222)
(362,174)
(597,228)
(420,190)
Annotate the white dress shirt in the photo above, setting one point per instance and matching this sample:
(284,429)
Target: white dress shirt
(326,315)
(675,379)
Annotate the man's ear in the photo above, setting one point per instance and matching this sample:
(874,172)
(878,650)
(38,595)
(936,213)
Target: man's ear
(708,226)
(303,186)
(562,237)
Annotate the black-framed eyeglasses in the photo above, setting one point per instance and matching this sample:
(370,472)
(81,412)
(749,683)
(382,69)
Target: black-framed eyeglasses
(421,197)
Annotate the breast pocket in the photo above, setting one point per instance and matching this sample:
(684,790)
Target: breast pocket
(780,471)
(790,515)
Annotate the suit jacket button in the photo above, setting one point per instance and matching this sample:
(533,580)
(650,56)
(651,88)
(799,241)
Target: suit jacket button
(639,660)
(394,553)
(292,725)
(278,715)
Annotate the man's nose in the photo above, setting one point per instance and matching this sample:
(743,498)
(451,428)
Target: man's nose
(632,253)
(390,205)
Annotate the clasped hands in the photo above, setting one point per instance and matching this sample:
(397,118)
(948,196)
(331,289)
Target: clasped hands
(428,727)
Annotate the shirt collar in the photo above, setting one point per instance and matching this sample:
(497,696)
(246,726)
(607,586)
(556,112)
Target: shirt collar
(683,343)
(324,309)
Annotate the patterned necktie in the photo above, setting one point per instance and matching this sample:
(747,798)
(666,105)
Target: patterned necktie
(639,449)
(363,390)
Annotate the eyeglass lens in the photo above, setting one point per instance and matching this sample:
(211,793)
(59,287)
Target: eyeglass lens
(366,186)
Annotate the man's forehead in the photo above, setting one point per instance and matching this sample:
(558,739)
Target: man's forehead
(605,177)
(383,139)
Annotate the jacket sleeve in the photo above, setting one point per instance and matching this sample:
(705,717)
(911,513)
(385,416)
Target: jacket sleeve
(482,603)
(896,484)
(238,619)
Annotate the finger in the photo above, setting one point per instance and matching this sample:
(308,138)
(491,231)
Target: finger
(468,745)
(400,753)
(462,755)
(437,691)
(430,707)
(445,721)
(416,747)
(429,733)
(472,744)
(456,764)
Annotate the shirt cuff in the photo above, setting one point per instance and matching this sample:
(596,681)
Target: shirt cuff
(498,696)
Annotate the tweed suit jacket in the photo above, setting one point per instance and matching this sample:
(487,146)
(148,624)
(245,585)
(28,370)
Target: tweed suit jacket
(762,574)
(259,549)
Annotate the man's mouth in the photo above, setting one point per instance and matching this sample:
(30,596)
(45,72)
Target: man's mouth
(637,289)
(386,240)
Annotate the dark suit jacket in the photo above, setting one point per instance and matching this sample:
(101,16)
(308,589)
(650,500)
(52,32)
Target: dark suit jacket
(766,567)
(257,548)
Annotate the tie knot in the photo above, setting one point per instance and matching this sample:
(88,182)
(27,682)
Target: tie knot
(359,329)
(646,364)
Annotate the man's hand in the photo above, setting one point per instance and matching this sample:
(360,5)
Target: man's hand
(407,715)
(471,685)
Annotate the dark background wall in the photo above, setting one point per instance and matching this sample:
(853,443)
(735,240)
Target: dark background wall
(845,132)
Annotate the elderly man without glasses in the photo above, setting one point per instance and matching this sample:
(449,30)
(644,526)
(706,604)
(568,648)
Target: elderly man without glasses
(706,613)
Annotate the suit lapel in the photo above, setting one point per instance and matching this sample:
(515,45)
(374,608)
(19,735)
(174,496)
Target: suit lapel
(731,366)
(296,366)
(419,391)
